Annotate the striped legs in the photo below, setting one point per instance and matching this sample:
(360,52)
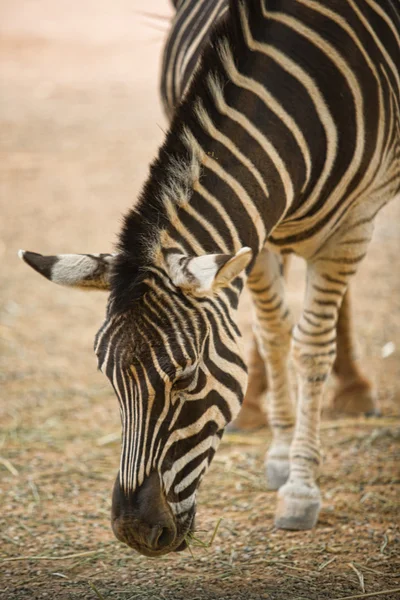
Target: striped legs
(252,413)
(354,393)
(273,330)
(314,352)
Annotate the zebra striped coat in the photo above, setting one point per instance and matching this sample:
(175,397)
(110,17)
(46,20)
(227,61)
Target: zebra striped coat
(288,138)
(189,34)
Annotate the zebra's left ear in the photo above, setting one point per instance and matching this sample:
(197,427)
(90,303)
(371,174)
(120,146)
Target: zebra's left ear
(85,271)
(205,274)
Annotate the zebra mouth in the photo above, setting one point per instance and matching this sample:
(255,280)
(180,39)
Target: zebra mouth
(145,521)
(184,529)
(187,530)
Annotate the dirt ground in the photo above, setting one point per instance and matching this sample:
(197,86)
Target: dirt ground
(80,121)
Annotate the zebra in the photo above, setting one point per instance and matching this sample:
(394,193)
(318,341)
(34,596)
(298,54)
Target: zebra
(288,141)
(188,35)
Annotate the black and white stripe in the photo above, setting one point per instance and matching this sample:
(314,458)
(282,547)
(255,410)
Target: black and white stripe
(288,136)
(287,139)
(188,37)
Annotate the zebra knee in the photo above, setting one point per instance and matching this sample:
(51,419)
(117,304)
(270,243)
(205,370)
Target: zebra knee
(313,359)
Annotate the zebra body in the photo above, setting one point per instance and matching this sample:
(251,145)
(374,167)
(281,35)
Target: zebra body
(189,33)
(288,139)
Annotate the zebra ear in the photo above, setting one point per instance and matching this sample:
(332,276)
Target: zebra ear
(206,274)
(86,271)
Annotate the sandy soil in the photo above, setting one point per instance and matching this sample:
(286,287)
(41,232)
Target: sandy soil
(80,121)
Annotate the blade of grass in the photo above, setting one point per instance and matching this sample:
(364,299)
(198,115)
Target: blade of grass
(215,532)
(196,542)
(187,539)
(96,591)
(326,563)
(66,557)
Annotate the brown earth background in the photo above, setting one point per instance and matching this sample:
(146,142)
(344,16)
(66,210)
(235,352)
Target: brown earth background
(80,120)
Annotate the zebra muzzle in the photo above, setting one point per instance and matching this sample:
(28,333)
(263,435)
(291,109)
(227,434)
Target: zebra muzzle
(143,519)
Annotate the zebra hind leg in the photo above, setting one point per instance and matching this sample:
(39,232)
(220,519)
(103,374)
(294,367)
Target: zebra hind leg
(252,415)
(354,393)
(313,353)
(273,331)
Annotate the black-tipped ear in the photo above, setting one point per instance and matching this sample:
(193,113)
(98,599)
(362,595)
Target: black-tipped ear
(87,271)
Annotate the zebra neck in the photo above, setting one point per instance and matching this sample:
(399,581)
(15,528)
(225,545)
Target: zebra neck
(214,198)
(229,169)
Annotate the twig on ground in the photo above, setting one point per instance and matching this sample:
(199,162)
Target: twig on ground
(375,572)
(283,563)
(326,563)
(369,595)
(7,464)
(359,575)
(384,544)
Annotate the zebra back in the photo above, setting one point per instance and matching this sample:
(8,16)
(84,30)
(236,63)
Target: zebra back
(189,33)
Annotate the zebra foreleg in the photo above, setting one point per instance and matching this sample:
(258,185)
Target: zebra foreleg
(314,352)
(253,413)
(272,328)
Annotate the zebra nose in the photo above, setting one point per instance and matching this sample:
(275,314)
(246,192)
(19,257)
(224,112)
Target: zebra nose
(143,520)
(160,537)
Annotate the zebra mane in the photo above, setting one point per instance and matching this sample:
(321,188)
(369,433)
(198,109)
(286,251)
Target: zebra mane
(177,166)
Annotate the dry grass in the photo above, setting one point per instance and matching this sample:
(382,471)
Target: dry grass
(57,539)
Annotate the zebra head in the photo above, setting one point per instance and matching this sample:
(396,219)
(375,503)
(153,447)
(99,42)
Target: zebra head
(172,355)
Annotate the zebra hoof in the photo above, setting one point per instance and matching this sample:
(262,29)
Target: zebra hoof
(277,471)
(298,507)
